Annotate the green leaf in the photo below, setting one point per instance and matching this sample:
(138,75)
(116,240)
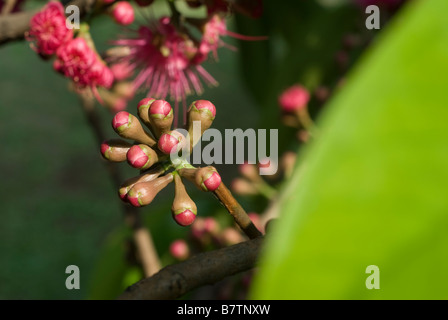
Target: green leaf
(372,189)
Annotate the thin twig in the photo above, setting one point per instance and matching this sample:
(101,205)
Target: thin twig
(202,269)
(236,210)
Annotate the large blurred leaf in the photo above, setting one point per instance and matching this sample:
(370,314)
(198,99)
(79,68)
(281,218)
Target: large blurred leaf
(373,189)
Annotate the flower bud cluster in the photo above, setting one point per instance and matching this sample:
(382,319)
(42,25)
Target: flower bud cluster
(153,142)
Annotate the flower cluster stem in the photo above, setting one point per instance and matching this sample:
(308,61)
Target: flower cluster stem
(236,210)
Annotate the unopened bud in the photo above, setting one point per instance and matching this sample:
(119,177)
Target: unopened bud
(115,150)
(128,126)
(294,98)
(141,156)
(160,117)
(206,179)
(171,142)
(143,193)
(203,111)
(179,249)
(183,209)
(123,13)
(147,176)
(143,109)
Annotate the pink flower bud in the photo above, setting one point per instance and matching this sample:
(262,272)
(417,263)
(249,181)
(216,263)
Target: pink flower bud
(143,193)
(121,121)
(179,249)
(128,126)
(160,109)
(184,209)
(145,103)
(141,156)
(115,150)
(123,13)
(205,107)
(185,218)
(212,182)
(294,98)
(171,142)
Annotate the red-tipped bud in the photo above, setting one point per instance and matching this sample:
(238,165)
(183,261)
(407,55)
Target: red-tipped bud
(123,13)
(171,142)
(179,249)
(143,193)
(160,117)
(206,179)
(203,111)
(141,156)
(115,150)
(147,176)
(204,107)
(128,126)
(142,110)
(294,98)
(184,218)
(183,209)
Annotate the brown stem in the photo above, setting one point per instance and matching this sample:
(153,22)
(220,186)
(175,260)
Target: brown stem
(8,6)
(202,269)
(236,210)
(146,251)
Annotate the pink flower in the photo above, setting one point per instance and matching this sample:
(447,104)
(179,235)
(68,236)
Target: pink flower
(48,30)
(166,61)
(77,61)
(294,98)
